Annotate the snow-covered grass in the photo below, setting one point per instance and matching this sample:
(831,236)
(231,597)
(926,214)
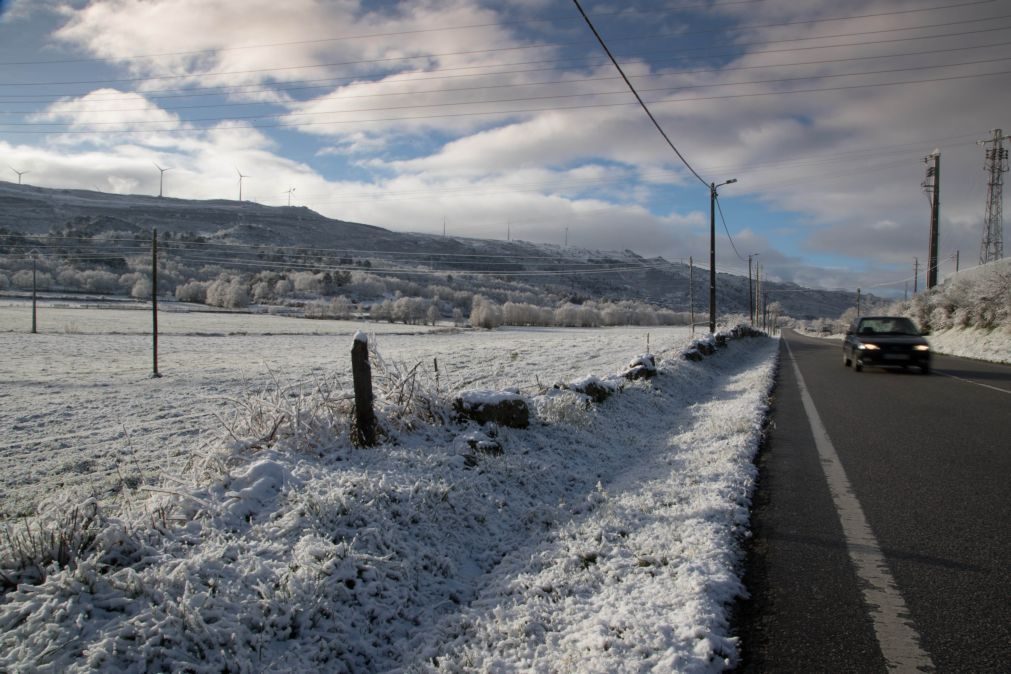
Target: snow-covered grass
(602,538)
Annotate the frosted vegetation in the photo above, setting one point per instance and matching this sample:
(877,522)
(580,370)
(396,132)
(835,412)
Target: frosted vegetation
(604,537)
(293,285)
(977,299)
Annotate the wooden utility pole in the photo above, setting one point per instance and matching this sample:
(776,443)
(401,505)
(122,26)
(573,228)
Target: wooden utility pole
(751,296)
(34,293)
(916,275)
(154,302)
(691,293)
(934,181)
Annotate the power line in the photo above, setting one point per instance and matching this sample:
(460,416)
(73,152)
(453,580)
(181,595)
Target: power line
(193,129)
(510,86)
(636,38)
(272,45)
(202,92)
(727,229)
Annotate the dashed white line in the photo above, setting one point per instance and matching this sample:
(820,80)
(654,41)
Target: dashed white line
(897,638)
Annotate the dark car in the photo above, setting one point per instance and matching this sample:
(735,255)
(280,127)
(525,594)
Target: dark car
(885,341)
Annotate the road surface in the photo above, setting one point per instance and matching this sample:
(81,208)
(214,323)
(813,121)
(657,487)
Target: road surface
(882,525)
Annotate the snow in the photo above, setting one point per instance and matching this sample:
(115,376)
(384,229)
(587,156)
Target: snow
(602,538)
(992,345)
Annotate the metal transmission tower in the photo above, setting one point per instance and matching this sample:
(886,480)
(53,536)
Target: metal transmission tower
(996,166)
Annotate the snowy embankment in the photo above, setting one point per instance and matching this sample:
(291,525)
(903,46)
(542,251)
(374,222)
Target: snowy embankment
(991,345)
(601,538)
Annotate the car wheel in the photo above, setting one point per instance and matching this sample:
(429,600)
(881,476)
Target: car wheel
(857,366)
(924,369)
(845,360)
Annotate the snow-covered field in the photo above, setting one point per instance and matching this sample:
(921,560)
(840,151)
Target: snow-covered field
(237,529)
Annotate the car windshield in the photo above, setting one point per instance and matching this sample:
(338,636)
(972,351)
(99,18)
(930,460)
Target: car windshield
(887,326)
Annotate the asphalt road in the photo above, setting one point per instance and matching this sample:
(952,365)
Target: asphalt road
(928,460)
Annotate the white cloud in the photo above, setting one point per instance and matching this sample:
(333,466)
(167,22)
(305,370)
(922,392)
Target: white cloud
(843,166)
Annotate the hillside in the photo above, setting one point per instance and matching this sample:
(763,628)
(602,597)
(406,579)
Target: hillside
(284,236)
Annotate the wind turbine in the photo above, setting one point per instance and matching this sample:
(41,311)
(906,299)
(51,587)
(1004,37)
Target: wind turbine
(161,178)
(288,192)
(241,176)
(20,173)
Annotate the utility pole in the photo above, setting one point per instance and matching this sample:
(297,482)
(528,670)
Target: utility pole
(992,247)
(916,274)
(933,184)
(691,293)
(154,301)
(35,255)
(712,252)
(956,261)
(288,192)
(712,258)
(751,296)
(858,303)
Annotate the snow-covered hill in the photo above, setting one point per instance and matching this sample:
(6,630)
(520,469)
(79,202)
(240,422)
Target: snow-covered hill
(614,275)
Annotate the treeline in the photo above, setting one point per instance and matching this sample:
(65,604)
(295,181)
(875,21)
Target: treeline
(478,300)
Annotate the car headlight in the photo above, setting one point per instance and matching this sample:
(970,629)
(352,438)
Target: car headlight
(921,347)
(869,347)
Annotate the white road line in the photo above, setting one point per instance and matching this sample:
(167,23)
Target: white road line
(969,381)
(897,638)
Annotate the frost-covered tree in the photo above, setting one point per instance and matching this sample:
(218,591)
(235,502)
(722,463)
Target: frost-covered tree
(141,288)
(194,291)
(229,292)
(23,279)
(484,313)
(283,288)
(340,307)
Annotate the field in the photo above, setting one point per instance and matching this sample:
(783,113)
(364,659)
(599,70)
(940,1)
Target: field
(603,538)
(83,411)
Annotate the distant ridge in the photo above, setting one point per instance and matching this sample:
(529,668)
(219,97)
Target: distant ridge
(39,211)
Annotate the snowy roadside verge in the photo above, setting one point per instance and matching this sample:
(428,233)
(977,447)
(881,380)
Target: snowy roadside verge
(602,538)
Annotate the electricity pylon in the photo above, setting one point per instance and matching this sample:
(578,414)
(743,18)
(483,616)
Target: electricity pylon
(996,165)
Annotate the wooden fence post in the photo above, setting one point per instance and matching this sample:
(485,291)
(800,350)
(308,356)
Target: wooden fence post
(361,372)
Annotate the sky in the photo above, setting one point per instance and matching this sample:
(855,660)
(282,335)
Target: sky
(508,120)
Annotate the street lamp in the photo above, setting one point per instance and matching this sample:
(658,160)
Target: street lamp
(712,252)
